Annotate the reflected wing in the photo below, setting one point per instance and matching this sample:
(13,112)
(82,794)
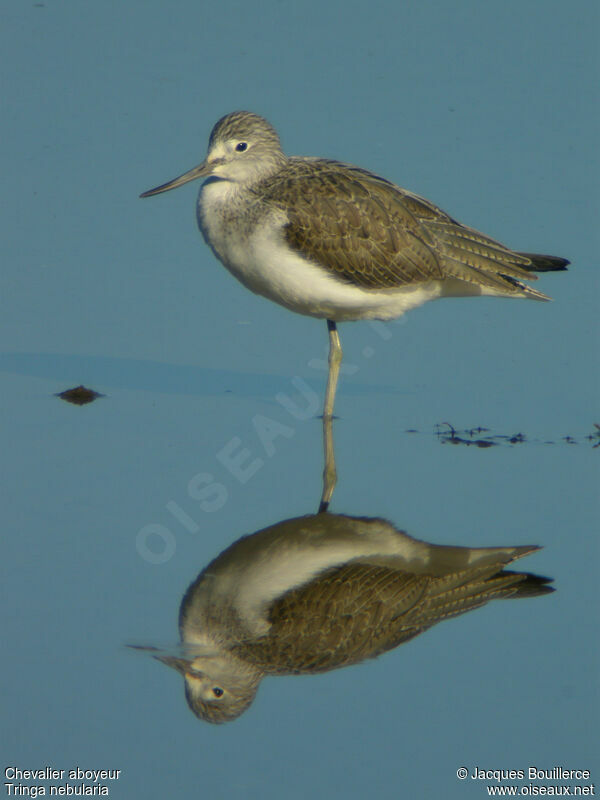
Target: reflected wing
(359,611)
(369,232)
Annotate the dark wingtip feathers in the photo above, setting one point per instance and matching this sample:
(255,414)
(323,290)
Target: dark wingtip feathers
(542,263)
(530,585)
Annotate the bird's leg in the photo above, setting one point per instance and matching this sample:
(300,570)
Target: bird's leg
(335,359)
(329,470)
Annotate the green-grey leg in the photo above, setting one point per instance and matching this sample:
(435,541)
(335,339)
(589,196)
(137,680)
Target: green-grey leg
(329,470)
(335,359)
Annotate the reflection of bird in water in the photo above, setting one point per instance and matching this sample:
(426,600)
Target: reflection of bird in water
(320,592)
(337,242)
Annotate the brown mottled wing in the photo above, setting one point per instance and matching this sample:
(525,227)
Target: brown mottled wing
(342,617)
(339,218)
(370,232)
(359,611)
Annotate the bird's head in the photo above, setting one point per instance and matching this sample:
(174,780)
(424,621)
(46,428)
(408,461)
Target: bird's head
(218,688)
(242,148)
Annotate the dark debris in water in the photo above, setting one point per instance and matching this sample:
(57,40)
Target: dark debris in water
(484,437)
(448,434)
(79,395)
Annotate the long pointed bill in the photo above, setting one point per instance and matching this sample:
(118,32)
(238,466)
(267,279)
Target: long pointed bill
(180,664)
(201,171)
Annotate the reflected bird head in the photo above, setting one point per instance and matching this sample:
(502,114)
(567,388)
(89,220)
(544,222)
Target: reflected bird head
(217,688)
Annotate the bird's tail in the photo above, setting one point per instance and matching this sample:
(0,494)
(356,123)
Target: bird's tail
(475,586)
(528,584)
(542,263)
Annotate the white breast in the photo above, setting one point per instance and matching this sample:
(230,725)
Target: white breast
(249,241)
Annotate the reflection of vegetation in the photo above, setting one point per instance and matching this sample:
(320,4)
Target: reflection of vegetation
(79,395)
(485,437)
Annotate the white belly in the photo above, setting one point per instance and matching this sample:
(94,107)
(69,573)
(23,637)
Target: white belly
(259,257)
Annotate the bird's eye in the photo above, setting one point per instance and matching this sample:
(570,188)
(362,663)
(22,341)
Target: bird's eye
(217,691)
(241,146)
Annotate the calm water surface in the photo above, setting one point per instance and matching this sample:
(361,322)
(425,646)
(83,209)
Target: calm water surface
(113,508)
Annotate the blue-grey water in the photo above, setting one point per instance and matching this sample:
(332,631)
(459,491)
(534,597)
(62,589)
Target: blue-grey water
(489,110)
